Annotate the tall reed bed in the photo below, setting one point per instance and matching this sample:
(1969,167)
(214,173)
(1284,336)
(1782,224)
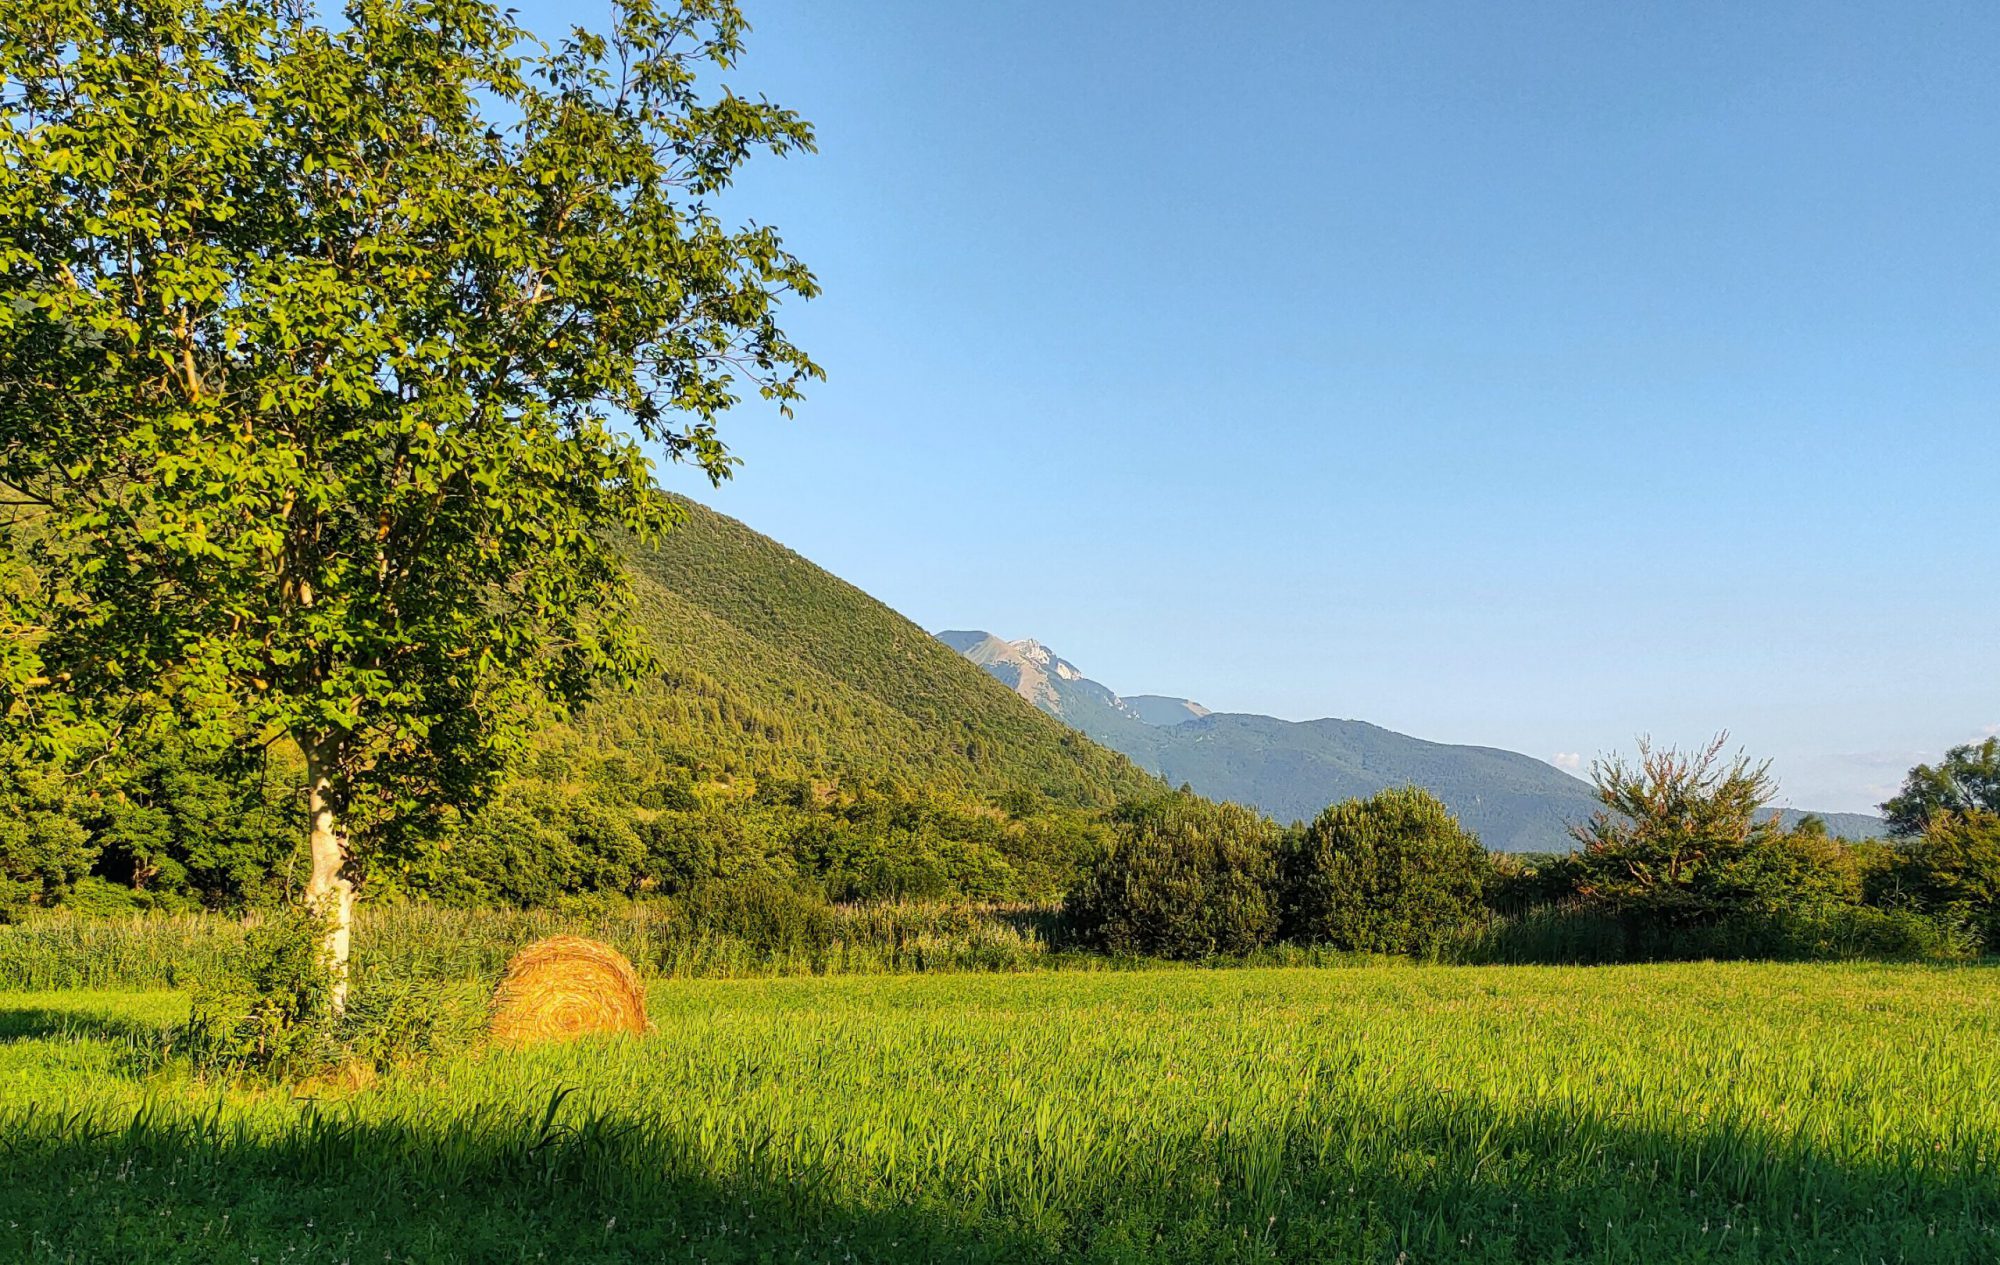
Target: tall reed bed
(663,939)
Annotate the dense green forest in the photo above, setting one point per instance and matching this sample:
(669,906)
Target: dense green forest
(796,730)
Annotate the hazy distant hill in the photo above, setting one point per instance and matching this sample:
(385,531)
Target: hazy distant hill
(1158,709)
(1292,769)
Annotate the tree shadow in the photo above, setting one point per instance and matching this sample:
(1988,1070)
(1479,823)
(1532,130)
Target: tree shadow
(1434,1180)
(43,1023)
(491,1186)
(1041,922)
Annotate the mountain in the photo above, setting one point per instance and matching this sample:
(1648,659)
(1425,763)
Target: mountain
(796,734)
(1292,769)
(801,730)
(798,731)
(1054,685)
(770,659)
(1158,709)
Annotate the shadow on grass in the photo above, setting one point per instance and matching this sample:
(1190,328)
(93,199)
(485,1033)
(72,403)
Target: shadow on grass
(1435,1180)
(36,1023)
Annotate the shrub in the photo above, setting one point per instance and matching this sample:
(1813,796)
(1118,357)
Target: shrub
(1519,882)
(767,916)
(1802,872)
(1584,935)
(1391,874)
(1952,870)
(393,1019)
(1680,844)
(269,1009)
(1181,878)
(94,897)
(1853,931)
(1556,935)
(266,1012)
(1668,847)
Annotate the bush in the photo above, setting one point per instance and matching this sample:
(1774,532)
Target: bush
(1802,872)
(1837,933)
(1553,935)
(1952,871)
(1519,882)
(1680,844)
(394,1019)
(94,897)
(1181,878)
(1670,846)
(268,1011)
(1391,874)
(768,917)
(1583,935)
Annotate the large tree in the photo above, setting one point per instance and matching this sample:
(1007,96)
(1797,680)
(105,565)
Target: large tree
(1967,780)
(327,353)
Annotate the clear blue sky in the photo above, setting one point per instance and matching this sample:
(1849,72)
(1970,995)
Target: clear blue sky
(1527,375)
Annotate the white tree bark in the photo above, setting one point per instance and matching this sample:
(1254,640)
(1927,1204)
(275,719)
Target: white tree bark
(328,891)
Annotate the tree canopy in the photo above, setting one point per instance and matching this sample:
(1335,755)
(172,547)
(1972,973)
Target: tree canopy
(1967,780)
(1394,873)
(327,354)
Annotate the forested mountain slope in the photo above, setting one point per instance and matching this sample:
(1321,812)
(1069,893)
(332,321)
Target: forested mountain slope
(797,731)
(770,660)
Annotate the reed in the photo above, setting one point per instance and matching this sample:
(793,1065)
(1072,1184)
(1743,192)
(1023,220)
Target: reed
(662,940)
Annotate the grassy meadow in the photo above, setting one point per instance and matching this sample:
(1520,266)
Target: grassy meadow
(1380,1113)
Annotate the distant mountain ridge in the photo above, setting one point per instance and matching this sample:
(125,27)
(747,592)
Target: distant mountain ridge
(1055,685)
(1292,769)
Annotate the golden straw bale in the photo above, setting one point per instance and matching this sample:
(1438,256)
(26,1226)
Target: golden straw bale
(566,987)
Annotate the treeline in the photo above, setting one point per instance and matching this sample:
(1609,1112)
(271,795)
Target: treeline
(183,824)
(1682,861)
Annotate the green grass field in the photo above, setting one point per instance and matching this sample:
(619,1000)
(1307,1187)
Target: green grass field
(1381,1113)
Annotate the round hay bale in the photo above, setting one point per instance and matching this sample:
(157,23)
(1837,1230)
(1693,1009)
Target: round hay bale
(566,987)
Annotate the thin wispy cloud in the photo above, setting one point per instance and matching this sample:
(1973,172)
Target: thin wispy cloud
(1897,760)
(1569,761)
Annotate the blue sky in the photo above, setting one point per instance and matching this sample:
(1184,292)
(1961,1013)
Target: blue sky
(1528,375)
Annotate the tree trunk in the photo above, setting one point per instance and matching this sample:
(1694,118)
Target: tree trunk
(328,892)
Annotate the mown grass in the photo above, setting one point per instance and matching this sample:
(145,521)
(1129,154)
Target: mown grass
(1387,1113)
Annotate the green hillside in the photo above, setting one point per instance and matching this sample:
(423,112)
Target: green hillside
(797,732)
(772,661)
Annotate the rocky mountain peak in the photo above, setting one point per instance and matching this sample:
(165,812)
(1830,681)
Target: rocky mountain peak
(1059,687)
